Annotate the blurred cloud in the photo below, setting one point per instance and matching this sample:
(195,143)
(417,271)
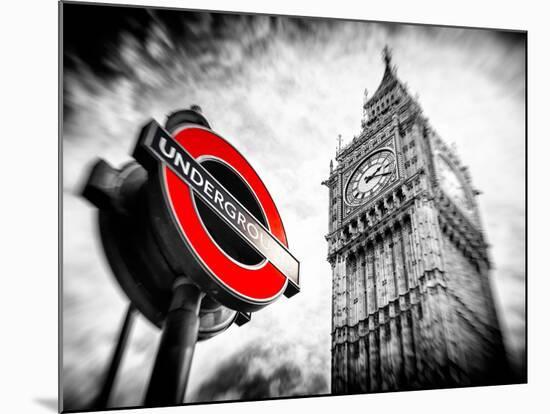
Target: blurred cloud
(281,90)
(259,371)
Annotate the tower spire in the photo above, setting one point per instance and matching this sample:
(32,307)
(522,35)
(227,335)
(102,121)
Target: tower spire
(386,55)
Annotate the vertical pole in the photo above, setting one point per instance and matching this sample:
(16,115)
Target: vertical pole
(173,361)
(103,398)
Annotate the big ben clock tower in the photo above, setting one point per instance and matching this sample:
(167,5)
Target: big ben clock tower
(412,305)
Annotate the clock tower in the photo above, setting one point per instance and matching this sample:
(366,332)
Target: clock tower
(412,306)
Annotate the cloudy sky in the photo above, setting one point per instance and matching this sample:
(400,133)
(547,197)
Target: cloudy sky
(281,90)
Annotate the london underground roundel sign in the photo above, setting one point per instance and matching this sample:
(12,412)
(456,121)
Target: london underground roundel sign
(213,216)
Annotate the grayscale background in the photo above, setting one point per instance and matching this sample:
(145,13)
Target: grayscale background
(281,90)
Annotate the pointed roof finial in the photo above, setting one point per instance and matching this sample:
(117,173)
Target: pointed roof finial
(386,55)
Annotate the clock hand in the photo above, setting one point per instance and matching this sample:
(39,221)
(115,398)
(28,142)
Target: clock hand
(367,179)
(379,168)
(370,177)
(381,174)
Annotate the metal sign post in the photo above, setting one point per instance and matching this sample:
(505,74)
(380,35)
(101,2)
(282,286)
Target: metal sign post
(102,399)
(177,345)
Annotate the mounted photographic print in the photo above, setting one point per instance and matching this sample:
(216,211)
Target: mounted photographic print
(259,207)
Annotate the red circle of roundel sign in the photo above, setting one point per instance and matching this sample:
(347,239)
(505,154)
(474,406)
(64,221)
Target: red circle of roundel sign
(188,184)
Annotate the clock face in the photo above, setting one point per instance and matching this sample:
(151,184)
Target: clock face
(452,184)
(371,176)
